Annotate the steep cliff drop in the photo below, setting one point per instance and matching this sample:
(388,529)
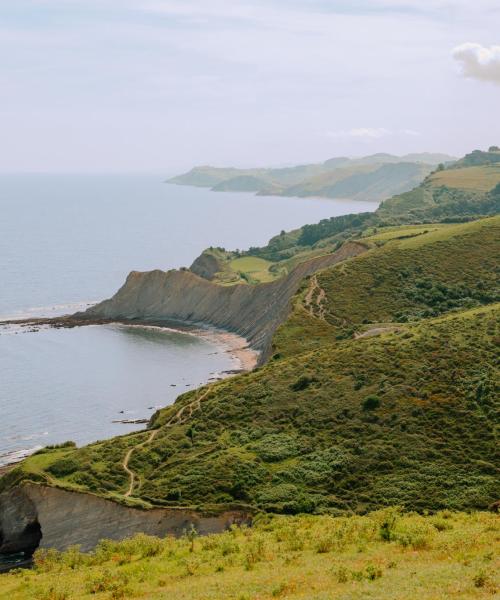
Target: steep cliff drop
(34,515)
(252,311)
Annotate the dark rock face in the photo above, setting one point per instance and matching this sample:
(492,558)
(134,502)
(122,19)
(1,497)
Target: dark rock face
(35,515)
(19,527)
(252,311)
(206,266)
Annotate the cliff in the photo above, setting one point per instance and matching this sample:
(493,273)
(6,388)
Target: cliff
(252,311)
(33,514)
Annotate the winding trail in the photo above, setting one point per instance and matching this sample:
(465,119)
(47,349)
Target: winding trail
(177,419)
(316,308)
(126,460)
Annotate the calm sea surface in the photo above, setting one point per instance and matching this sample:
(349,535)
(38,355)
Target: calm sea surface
(68,240)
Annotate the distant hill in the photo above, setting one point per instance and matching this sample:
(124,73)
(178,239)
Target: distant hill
(241,183)
(370,182)
(480,157)
(449,194)
(373,177)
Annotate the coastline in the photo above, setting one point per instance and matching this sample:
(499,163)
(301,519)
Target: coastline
(244,357)
(233,344)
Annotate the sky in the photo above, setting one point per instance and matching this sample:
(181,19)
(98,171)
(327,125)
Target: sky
(162,85)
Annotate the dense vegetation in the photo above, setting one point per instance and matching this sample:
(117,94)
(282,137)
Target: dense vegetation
(381,392)
(448,195)
(339,420)
(381,555)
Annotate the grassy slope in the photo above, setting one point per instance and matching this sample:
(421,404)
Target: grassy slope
(483,178)
(256,269)
(456,265)
(449,194)
(295,435)
(373,185)
(383,555)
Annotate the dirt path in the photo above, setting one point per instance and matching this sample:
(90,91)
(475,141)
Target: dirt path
(315,307)
(126,460)
(178,419)
(376,331)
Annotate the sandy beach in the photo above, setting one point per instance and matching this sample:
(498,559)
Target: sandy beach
(245,357)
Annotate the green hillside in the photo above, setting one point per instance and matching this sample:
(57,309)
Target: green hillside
(354,448)
(482,179)
(368,182)
(480,157)
(371,178)
(381,392)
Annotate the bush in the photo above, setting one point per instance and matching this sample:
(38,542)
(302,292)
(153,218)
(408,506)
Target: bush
(106,580)
(275,447)
(302,383)
(63,467)
(481,579)
(371,403)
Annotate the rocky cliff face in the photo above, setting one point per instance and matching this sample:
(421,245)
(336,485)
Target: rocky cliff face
(206,266)
(32,515)
(252,311)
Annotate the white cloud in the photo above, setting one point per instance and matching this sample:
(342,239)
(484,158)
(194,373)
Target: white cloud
(479,62)
(370,133)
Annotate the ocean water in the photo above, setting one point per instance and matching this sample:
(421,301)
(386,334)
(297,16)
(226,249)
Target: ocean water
(70,240)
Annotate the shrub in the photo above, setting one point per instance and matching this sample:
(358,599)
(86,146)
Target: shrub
(387,520)
(371,403)
(275,447)
(107,580)
(372,572)
(63,467)
(301,383)
(481,579)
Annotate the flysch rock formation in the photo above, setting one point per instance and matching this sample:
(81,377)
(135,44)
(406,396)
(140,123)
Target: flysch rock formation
(34,515)
(252,311)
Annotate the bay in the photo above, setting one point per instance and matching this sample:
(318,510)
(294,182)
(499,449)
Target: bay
(69,240)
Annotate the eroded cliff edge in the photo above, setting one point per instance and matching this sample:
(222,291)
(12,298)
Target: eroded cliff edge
(34,515)
(252,311)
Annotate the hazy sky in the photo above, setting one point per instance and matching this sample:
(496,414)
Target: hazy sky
(139,85)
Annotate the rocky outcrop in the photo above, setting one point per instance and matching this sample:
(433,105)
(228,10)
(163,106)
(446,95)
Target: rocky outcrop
(252,311)
(33,514)
(206,266)
(19,527)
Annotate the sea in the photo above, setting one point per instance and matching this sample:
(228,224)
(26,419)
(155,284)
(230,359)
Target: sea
(68,241)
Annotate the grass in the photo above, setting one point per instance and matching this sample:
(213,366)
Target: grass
(386,234)
(483,178)
(299,436)
(253,268)
(457,265)
(335,424)
(385,554)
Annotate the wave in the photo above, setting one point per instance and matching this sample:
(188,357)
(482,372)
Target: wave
(14,456)
(55,310)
